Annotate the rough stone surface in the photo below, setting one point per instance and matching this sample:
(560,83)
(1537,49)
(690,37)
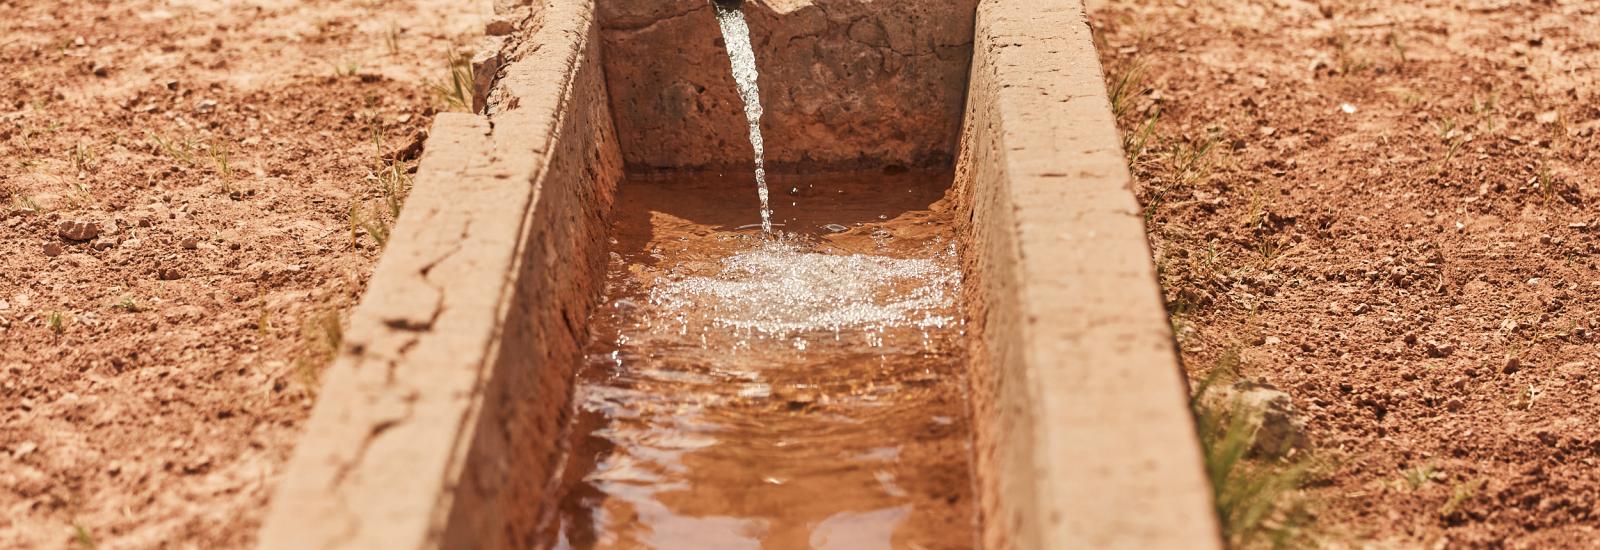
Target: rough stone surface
(842,82)
(437,426)
(78,230)
(1276,427)
(1084,436)
(486,63)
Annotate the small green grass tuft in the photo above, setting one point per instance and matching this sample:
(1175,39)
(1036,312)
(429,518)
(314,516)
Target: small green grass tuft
(1460,494)
(1136,144)
(81,537)
(457,90)
(376,228)
(1419,476)
(345,67)
(56,322)
(1124,88)
(182,151)
(220,157)
(129,304)
(320,338)
(85,158)
(1258,501)
(1190,160)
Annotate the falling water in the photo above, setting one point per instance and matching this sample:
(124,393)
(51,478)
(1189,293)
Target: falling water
(736,34)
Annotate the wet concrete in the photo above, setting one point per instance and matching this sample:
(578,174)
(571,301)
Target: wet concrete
(742,391)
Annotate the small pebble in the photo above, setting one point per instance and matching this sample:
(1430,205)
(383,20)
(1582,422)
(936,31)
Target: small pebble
(1512,365)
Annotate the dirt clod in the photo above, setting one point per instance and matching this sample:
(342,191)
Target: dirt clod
(78,230)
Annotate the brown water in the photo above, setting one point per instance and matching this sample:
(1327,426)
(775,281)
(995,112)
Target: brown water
(743,391)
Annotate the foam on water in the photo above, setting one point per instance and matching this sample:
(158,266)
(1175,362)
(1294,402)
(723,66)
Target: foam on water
(781,288)
(736,34)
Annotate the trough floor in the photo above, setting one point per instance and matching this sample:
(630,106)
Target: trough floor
(805,391)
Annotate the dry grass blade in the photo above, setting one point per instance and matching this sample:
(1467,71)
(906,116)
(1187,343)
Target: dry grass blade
(456,92)
(1257,500)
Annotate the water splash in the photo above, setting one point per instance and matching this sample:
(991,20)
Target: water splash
(782,288)
(736,34)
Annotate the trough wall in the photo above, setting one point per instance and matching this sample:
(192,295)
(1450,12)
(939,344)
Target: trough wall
(1083,432)
(439,423)
(844,83)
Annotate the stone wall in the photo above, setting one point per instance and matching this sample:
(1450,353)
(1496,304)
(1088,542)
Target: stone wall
(843,82)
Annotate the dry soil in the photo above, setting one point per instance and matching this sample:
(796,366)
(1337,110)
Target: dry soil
(177,249)
(1391,211)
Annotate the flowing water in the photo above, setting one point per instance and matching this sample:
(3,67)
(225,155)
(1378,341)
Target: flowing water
(736,34)
(793,392)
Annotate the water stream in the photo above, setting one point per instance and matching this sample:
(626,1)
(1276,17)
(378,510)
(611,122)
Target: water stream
(794,391)
(736,34)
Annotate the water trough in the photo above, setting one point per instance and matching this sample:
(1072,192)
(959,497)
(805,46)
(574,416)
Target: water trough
(445,422)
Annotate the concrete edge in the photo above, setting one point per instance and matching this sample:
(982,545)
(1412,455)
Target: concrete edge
(1090,442)
(410,411)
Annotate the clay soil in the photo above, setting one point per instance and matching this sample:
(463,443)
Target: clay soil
(155,369)
(1390,211)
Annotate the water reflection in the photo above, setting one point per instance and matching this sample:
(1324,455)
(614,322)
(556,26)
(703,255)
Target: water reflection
(746,392)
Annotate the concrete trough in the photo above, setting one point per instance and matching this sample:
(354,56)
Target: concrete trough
(439,426)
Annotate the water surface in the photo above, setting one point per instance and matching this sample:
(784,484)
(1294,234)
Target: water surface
(747,391)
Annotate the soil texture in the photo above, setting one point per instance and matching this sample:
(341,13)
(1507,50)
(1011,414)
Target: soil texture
(1390,211)
(191,195)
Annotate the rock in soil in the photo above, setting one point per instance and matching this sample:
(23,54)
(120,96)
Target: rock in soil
(78,230)
(1276,425)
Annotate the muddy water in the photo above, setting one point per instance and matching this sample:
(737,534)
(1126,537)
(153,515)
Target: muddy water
(807,391)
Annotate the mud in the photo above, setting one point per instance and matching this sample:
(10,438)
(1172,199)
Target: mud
(801,392)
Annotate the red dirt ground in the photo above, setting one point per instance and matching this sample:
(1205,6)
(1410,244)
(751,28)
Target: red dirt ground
(153,378)
(1397,222)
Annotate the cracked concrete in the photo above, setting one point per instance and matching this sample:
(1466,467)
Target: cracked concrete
(459,355)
